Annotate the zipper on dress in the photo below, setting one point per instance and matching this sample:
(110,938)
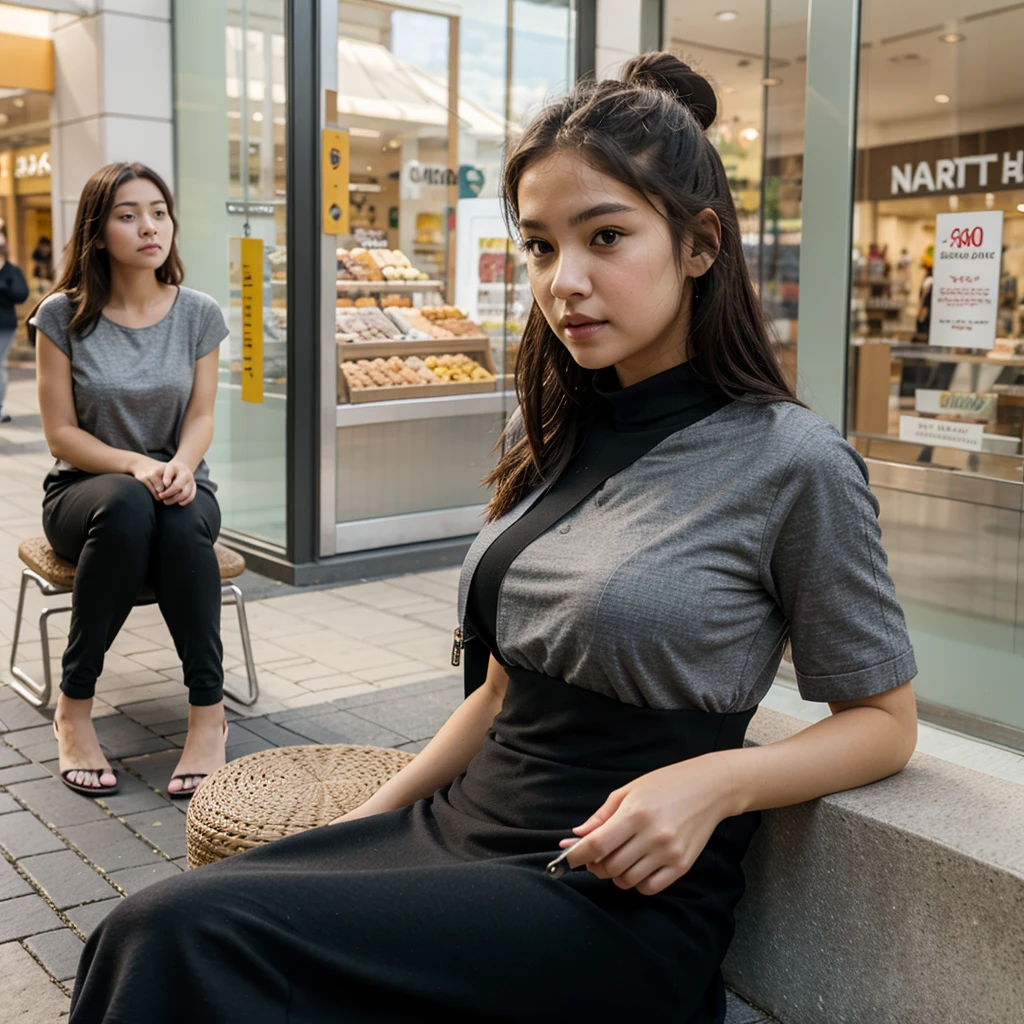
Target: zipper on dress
(457,647)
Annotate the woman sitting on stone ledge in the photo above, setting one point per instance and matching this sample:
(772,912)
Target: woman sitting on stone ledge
(665,515)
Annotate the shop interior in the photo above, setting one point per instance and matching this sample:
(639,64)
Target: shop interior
(918,89)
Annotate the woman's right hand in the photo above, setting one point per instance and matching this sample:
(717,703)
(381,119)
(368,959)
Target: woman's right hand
(149,472)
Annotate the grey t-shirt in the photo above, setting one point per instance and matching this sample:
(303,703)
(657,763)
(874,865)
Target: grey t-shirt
(133,384)
(677,583)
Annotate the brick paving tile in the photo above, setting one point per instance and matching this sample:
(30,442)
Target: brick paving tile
(416,717)
(120,736)
(413,748)
(55,803)
(162,709)
(8,804)
(26,915)
(738,1012)
(66,878)
(133,796)
(9,756)
(88,916)
(27,994)
(59,952)
(23,772)
(134,879)
(109,845)
(164,829)
(156,768)
(11,883)
(17,714)
(249,746)
(449,684)
(276,734)
(22,835)
(28,738)
(341,727)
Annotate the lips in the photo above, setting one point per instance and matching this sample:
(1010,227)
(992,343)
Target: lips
(579,327)
(150,248)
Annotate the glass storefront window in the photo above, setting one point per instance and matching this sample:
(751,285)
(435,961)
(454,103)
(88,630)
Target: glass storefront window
(756,61)
(430,291)
(937,341)
(230,107)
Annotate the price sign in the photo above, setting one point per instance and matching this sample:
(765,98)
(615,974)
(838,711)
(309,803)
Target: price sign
(965,285)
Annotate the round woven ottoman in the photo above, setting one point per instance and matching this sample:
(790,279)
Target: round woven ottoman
(275,793)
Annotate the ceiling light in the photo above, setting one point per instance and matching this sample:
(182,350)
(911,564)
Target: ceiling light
(234,113)
(364,133)
(726,16)
(771,80)
(750,134)
(19,102)
(257,116)
(941,97)
(1020,207)
(369,169)
(952,37)
(393,143)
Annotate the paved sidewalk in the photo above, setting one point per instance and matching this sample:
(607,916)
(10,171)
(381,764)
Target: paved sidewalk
(364,663)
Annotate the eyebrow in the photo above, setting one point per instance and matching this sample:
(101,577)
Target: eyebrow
(155,202)
(601,210)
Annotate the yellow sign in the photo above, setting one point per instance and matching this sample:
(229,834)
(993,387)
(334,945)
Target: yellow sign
(252,318)
(334,174)
(26,63)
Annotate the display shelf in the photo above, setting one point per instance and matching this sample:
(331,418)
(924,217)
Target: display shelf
(401,409)
(477,347)
(389,286)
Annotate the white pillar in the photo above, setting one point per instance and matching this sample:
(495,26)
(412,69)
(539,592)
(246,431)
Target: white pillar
(112,98)
(618,34)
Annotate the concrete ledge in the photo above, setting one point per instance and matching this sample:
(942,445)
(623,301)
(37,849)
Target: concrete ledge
(896,903)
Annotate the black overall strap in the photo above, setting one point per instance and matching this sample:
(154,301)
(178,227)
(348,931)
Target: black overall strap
(605,453)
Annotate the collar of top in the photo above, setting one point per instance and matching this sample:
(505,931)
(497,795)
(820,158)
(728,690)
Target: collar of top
(651,402)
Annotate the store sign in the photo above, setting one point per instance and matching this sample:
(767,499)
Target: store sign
(965,282)
(32,163)
(251,267)
(977,162)
(943,433)
(972,405)
(430,174)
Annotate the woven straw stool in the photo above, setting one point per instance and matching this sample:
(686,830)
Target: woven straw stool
(55,578)
(275,793)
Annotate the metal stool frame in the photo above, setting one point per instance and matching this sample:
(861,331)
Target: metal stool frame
(38,694)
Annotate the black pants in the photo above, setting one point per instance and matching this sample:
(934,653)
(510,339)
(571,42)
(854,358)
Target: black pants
(127,544)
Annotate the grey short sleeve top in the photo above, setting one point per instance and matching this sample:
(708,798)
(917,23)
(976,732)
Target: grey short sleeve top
(132,385)
(677,583)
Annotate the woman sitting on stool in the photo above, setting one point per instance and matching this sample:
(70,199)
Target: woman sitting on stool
(127,373)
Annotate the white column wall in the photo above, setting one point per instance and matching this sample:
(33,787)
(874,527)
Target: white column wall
(618,34)
(112,98)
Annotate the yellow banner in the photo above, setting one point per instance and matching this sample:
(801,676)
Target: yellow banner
(252,318)
(334,175)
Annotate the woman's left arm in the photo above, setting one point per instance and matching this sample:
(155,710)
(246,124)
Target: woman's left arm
(196,434)
(649,832)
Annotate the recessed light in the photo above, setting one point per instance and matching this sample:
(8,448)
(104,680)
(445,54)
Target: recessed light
(1020,207)
(771,80)
(750,134)
(952,37)
(726,16)
(257,115)
(19,103)
(369,168)
(941,97)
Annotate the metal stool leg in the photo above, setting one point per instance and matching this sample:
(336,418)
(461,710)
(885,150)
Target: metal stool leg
(230,594)
(37,694)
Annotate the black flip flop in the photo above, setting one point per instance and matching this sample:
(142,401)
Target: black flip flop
(95,791)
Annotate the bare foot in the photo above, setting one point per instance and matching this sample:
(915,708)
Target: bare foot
(78,746)
(204,748)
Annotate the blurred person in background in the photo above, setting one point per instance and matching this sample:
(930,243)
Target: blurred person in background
(13,292)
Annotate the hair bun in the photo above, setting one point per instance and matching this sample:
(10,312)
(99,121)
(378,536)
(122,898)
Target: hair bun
(669,74)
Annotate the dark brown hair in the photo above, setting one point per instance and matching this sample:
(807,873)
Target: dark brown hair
(85,275)
(647,131)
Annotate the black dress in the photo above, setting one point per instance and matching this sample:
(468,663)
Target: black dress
(442,910)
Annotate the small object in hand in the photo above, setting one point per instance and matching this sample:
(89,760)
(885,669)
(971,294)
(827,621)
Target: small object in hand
(559,866)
